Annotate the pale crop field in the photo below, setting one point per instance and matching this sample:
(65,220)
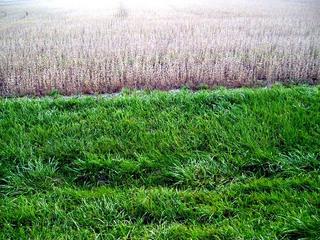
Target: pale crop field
(103,46)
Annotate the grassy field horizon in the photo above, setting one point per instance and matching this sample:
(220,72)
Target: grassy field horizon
(211,164)
(160,119)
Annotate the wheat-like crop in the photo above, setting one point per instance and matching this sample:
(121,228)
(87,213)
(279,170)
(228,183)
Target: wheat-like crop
(237,43)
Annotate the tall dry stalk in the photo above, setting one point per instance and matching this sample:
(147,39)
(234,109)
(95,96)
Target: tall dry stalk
(238,43)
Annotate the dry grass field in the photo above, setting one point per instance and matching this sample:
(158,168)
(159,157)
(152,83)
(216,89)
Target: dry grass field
(100,48)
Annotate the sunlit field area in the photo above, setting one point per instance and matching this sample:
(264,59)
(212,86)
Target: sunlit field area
(164,120)
(103,46)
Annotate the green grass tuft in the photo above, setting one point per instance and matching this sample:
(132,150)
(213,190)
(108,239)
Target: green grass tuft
(222,164)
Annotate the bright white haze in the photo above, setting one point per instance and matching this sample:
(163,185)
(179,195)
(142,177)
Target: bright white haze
(112,4)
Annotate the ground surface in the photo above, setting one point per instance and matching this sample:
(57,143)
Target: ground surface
(224,164)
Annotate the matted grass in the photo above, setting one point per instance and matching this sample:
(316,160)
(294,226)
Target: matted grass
(223,164)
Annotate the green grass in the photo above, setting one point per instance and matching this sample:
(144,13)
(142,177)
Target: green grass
(222,164)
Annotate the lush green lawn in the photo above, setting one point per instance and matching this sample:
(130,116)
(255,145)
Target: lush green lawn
(223,164)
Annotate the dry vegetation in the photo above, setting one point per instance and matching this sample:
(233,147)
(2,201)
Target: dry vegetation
(239,43)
